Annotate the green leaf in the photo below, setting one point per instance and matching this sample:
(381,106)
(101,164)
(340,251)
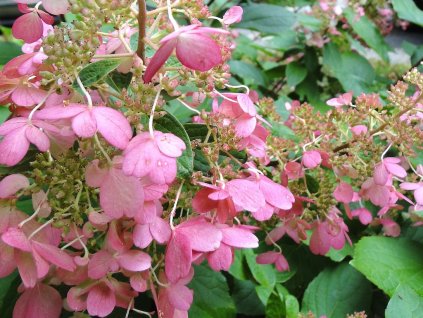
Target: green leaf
(8,50)
(292,307)
(246,300)
(266,18)
(119,81)
(9,293)
(366,29)
(275,307)
(340,255)
(405,303)
(211,294)
(249,73)
(336,292)
(196,131)
(263,274)
(295,74)
(390,262)
(4,114)
(280,130)
(97,71)
(169,124)
(408,10)
(239,268)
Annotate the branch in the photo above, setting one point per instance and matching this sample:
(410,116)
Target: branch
(142,17)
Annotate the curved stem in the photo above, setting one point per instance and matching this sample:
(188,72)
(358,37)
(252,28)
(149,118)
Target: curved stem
(153,109)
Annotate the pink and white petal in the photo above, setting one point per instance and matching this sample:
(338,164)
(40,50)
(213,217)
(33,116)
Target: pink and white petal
(159,59)
(233,15)
(12,184)
(170,145)
(246,104)
(101,300)
(113,126)
(28,27)
(198,52)
(239,237)
(56,7)
(134,261)
(84,124)
(245,125)
(38,138)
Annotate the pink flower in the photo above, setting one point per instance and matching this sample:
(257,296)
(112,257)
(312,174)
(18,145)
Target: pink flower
(40,301)
(18,134)
(100,297)
(55,7)
(120,195)
(359,129)
(233,15)
(20,91)
(276,258)
(363,215)
(293,170)
(86,121)
(193,235)
(194,49)
(240,110)
(255,144)
(293,226)
(25,64)
(153,157)
(236,195)
(29,27)
(344,193)
(380,195)
(342,100)
(33,258)
(311,159)
(388,167)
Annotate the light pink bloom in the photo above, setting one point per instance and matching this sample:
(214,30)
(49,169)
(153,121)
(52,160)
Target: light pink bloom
(311,159)
(55,7)
(25,64)
(29,27)
(153,157)
(388,167)
(380,195)
(344,192)
(21,91)
(194,49)
(342,100)
(235,196)
(40,301)
(110,123)
(100,297)
(241,111)
(255,144)
(12,184)
(390,227)
(359,129)
(293,226)
(363,215)
(276,258)
(120,195)
(18,134)
(193,235)
(233,15)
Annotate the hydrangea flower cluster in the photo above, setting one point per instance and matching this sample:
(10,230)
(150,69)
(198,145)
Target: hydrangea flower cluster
(126,199)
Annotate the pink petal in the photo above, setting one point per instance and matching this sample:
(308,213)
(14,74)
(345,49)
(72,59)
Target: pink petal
(38,138)
(56,7)
(84,124)
(264,213)
(40,301)
(27,96)
(396,170)
(113,126)
(55,255)
(409,186)
(239,237)
(12,184)
(135,261)
(203,236)
(160,230)
(233,15)
(27,268)
(142,236)
(101,301)
(14,147)
(311,159)
(7,260)
(60,112)
(344,192)
(246,194)
(246,104)
(418,195)
(275,194)
(380,175)
(180,296)
(201,202)
(158,60)
(282,264)
(138,283)
(94,175)
(47,18)
(16,238)
(178,257)
(100,264)
(170,145)
(267,258)
(28,27)
(220,259)
(198,52)
(12,124)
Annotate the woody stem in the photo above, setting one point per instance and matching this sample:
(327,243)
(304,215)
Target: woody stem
(142,17)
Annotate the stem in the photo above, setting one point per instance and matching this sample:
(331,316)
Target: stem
(172,213)
(142,17)
(113,56)
(170,14)
(31,114)
(87,95)
(189,107)
(40,229)
(102,149)
(153,109)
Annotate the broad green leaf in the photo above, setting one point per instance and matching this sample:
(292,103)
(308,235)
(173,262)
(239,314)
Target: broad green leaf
(97,71)
(119,81)
(340,255)
(408,10)
(196,131)
(263,274)
(336,292)
(405,303)
(9,293)
(169,124)
(8,50)
(239,268)
(4,114)
(280,130)
(390,262)
(266,18)
(6,284)
(295,74)
(246,299)
(292,307)
(365,28)
(275,307)
(248,73)
(211,295)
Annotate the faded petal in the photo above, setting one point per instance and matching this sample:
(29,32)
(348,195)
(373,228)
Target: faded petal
(84,124)
(12,184)
(101,300)
(135,261)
